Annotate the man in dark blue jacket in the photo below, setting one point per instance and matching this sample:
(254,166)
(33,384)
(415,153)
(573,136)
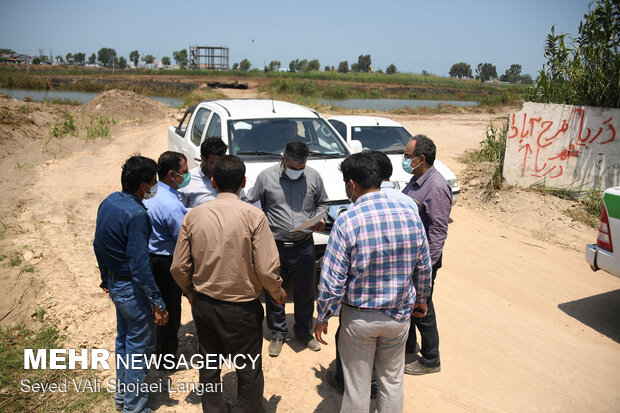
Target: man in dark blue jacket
(121,247)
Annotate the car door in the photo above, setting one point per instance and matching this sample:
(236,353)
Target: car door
(195,135)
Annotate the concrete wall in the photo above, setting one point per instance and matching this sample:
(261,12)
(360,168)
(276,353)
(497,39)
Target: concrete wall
(563,146)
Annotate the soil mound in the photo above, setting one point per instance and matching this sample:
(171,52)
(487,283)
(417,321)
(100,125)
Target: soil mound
(125,105)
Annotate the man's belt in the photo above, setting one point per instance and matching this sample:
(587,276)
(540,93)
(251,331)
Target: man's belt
(289,244)
(118,277)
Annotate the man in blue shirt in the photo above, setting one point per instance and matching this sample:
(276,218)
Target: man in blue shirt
(121,247)
(166,213)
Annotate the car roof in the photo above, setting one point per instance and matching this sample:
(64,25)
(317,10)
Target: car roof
(353,121)
(261,109)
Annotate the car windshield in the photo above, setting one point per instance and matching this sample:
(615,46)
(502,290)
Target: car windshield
(389,139)
(268,137)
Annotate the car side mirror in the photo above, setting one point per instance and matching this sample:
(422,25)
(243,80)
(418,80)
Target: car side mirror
(355,146)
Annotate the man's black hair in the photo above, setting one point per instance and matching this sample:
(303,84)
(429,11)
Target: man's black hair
(136,170)
(228,173)
(212,146)
(385,166)
(425,146)
(169,161)
(297,151)
(363,168)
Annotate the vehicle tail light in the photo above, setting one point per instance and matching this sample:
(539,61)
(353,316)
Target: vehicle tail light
(604,236)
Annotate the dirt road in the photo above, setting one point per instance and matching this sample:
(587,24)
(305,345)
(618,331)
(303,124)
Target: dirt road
(525,325)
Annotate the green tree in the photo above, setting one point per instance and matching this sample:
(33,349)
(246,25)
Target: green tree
(134,56)
(584,70)
(180,57)
(107,56)
(235,66)
(122,62)
(148,59)
(313,65)
(79,58)
(526,79)
(7,51)
(298,65)
(343,67)
(391,69)
(486,71)
(69,57)
(274,65)
(165,61)
(363,64)
(245,65)
(92,59)
(60,59)
(460,70)
(512,75)
(36,60)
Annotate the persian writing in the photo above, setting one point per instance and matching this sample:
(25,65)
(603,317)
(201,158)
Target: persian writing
(536,136)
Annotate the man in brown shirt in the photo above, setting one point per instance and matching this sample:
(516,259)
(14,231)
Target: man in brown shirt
(225,255)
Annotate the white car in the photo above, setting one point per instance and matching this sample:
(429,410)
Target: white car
(390,137)
(257,130)
(601,255)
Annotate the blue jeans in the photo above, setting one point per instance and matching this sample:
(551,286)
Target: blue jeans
(135,334)
(298,264)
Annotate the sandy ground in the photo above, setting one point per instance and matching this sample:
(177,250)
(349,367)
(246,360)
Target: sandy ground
(525,325)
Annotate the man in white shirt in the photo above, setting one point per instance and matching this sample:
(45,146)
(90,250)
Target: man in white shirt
(199,190)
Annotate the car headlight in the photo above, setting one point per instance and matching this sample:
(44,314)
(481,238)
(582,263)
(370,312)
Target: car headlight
(453,183)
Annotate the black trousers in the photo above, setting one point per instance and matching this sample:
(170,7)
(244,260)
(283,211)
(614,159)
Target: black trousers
(167,336)
(427,325)
(228,329)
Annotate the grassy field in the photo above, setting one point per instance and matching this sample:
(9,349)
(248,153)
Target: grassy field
(300,87)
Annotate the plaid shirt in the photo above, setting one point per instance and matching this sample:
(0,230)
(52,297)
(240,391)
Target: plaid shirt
(376,257)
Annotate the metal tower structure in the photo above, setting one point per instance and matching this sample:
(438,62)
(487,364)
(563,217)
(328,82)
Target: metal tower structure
(208,58)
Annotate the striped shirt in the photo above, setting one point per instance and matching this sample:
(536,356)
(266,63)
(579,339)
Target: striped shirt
(376,257)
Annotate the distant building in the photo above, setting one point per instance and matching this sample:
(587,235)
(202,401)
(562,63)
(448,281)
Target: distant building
(208,58)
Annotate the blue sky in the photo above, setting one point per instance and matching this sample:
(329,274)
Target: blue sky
(414,35)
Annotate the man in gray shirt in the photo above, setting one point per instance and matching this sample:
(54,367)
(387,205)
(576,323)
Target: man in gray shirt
(290,194)
(434,198)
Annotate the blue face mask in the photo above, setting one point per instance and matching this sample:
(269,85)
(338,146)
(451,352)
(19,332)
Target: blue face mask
(186,178)
(406,164)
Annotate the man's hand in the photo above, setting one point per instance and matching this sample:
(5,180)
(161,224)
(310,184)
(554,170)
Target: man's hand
(319,330)
(191,297)
(161,317)
(419,309)
(319,226)
(282,298)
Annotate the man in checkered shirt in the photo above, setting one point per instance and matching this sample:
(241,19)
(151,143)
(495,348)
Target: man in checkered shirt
(377,266)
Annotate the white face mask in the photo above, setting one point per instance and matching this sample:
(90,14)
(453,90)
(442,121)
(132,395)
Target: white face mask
(293,174)
(152,192)
(349,197)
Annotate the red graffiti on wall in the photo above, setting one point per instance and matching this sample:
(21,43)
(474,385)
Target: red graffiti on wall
(535,135)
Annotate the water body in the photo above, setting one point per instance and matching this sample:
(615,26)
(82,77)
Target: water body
(390,104)
(82,97)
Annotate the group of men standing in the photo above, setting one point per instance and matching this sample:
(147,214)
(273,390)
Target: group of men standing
(205,240)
